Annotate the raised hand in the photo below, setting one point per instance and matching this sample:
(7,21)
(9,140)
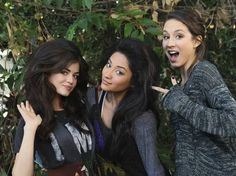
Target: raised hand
(32,121)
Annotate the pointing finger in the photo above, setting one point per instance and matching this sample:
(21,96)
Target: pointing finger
(159,89)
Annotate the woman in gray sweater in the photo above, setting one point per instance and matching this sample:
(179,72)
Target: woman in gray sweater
(203,111)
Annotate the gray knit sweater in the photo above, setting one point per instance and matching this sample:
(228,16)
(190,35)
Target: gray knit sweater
(204,118)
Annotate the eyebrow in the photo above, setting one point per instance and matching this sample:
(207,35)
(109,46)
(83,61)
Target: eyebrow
(117,66)
(70,70)
(178,30)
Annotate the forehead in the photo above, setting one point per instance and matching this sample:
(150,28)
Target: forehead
(73,67)
(173,25)
(119,59)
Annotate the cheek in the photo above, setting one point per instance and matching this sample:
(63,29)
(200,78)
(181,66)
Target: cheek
(163,44)
(75,83)
(123,83)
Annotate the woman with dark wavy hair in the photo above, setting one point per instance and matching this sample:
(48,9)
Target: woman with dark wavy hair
(53,129)
(125,116)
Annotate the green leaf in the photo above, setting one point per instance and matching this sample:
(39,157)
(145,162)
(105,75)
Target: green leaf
(79,23)
(135,34)
(88,3)
(75,4)
(10,82)
(128,29)
(116,24)
(59,3)
(153,30)
(146,22)
(98,21)
(1,68)
(47,2)
(135,12)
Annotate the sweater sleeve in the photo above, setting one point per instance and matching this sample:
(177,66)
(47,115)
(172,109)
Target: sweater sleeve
(216,114)
(145,134)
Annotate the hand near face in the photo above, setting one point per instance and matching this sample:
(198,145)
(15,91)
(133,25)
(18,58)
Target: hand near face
(32,121)
(162,90)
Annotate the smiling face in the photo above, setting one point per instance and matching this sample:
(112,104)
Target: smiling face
(179,44)
(66,80)
(116,74)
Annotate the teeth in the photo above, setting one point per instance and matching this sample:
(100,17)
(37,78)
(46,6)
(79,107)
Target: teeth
(172,52)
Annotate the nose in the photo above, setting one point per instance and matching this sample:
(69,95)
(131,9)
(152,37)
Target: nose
(108,73)
(170,42)
(70,78)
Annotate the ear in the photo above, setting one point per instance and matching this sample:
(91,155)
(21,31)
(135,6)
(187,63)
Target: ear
(197,41)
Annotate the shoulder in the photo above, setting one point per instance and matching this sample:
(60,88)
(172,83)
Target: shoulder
(205,68)
(91,95)
(146,120)
(207,75)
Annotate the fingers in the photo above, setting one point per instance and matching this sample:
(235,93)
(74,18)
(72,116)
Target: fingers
(173,80)
(25,108)
(32,120)
(76,174)
(159,89)
(19,109)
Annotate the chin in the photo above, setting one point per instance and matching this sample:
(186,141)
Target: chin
(104,88)
(174,66)
(65,94)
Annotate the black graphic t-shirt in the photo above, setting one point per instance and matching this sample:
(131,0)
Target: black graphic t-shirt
(67,143)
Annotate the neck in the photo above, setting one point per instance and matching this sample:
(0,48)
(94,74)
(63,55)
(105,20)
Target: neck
(115,97)
(57,103)
(185,72)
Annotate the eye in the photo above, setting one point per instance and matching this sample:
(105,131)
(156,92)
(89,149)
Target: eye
(76,76)
(64,72)
(165,37)
(108,65)
(119,72)
(179,36)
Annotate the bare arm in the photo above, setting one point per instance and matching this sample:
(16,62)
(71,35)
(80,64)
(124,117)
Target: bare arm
(24,162)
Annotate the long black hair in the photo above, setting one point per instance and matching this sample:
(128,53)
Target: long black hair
(53,57)
(144,65)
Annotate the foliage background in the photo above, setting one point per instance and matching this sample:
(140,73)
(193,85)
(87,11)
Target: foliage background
(94,25)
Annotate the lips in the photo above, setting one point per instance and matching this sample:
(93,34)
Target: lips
(69,88)
(105,82)
(172,55)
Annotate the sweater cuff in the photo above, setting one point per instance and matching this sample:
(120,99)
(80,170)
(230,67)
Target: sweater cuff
(175,99)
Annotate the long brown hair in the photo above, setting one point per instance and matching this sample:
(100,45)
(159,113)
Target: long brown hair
(53,57)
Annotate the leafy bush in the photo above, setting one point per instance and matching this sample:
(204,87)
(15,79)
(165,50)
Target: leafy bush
(94,25)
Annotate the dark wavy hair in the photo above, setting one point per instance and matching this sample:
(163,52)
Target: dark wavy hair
(52,57)
(195,24)
(144,65)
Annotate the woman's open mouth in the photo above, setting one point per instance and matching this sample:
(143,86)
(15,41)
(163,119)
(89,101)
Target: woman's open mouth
(172,55)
